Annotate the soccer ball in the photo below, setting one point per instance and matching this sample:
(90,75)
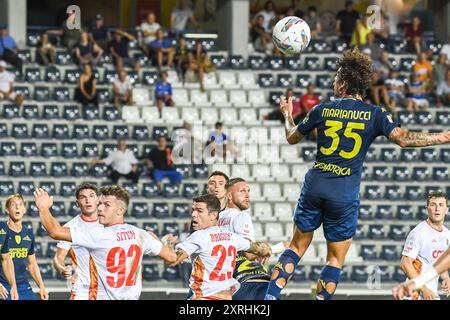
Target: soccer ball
(291,35)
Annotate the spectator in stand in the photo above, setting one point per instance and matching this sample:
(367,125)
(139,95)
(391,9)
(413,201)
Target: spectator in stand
(148,30)
(362,30)
(396,91)
(414,35)
(162,47)
(268,13)
(262,41)
(46,51)
(418,100)
(346,22)
(296,108)
(7,86)
(439,70)
(8,49)
(314,22)
(119,50)
(373,46)
(163,92)
(123,90)
(446,50)
(98,33)
(180,16)
(87,51)
(86,93)
(123,163)
(70,37)
(200,63)
(160,163)
(307,102)
(182,57)
(382,34)
(443,91)
(218,141)
(381,67)
(423,68)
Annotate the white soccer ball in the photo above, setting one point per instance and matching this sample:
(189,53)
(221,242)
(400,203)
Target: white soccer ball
(291,35)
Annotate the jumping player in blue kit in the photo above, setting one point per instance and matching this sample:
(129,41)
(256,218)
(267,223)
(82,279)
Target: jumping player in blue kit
(330,194)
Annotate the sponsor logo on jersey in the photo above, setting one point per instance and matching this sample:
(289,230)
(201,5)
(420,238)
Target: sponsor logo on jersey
(18,252)
(26,238)
(2,232)
(437,253)
(409,245)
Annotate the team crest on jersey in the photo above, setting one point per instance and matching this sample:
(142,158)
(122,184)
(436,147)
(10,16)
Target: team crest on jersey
(409,246)
(18,239)
(2,232)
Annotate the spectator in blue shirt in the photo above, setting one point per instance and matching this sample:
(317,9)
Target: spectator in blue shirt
(218,140)
(8,49)
(163,92)
(418,100)
(162,47)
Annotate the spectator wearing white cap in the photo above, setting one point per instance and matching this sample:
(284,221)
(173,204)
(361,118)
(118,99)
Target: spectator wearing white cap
(7,86)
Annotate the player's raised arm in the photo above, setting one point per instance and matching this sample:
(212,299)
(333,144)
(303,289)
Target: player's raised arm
(407,139)
(44,202)
(293,136)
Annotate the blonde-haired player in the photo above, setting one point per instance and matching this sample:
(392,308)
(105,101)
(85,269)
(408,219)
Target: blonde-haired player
(115,251)
(213,251)
(425,244)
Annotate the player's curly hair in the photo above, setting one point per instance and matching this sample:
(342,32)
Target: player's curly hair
(355,71)
(117,191)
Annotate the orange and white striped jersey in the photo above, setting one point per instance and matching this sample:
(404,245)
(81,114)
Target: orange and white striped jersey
(425,244)
(115,259)
(238,222)
(79,256)
(213,256)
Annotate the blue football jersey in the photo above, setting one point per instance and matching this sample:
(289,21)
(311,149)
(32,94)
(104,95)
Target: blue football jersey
(3,237)
(20,246)
(345,130)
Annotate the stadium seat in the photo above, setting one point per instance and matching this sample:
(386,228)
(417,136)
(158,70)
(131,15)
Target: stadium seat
(413,193)
(80,169)
(299,274)
(422,213)
(100,170)
(150,272)
(247,80)
(284,80)
(19,131)
(58,169)
(190,190)
(90,113)
(420,173)
(389,252)
(368,252)
(236,62)
(330,64)
(381,173)
(32,210)
(396,232)
(26,188)
(303,80)
(401,174)
(67,189)
(219,61)
(372,192)
(405,212)
(389,155)
(309,153)
(50,112)
(71,112)
(319,46)
(376,232)
(274,232)
(46,271)
(60,131)
(171,191)
(80,132)
(3,130)
(398,275)
(23,90)
(73,209)
(393,193)
(256,62)
(406,118)
(160,132)
(150,190)
(100,132)
(316,271)
(272,191)
(312,64)
(10,111)
(58,208)
(6,188)
(200,171)
(103,95)
(17,169)
(429,155)
(52,75)
(365,212)
(51,249)
(181,210)
(131,188)
(72,76)
(283,211)
(30,112)
(49,150)
(28,150)
(110,114)
(170,227)
(359,233)
(63,58)
(443,118)
(160,210)
(171,274)
(365,174)
(424,118)
(263,211)
(90,150)
(32,75)
(409,155)
(61,94)
(266,80)
(324,81)
(440,174)
(406,64)
(140,133)
(385,212)
(38,169)
(140,210)
(8,149)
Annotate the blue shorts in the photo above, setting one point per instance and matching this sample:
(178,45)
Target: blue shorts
(24,290)
(339,218)
(173,175)
(251,291)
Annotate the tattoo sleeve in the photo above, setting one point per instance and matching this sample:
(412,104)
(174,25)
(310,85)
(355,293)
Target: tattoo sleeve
(418,139)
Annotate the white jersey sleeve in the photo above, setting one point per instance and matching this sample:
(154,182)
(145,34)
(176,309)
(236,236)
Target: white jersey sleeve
(242,225)
(192,244)
(150,245)
(243,243)
(413,244)
(83,237)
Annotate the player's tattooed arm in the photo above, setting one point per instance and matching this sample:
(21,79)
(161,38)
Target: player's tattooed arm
(292,134)
(418,139)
